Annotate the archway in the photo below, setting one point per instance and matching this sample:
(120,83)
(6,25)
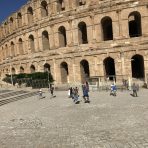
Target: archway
(21,69)
(82,33)
(45,40)
(137,63)
(134,23)
(64,72)
(44,9)
(62,36)
(19,19)
(31,42)
(12,49)
(84,69)
(12,70)
(109,68)
(30,15)
(46,67)
(32,68)
(107,30)
(21,50)
(61,5)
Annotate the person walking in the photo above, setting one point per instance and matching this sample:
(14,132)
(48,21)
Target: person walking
(135,89)
(52,90)
(85,89)
(113,89)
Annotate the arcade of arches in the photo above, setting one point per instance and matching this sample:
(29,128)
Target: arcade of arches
(74,43)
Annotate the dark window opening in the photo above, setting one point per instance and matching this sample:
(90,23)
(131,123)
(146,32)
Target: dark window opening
(62,37)
(109,67)
(107,28)
(85,73)
(64,72)
(82,32)
(137,63)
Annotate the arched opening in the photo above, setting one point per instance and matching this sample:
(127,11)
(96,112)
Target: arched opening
(62,37)
(45,40)
(109,68)
(137,63)
(82,33)
(107,30)
(31,43)
(6,27)
(64,72)
(134,23)
(6,51)
(46,67)
(11,24)
(61,5)
(19,19)
(13,70)
(44,9)
(21,69)
(30,15)
(12,49)
(21,50)
(81,2)
(84,69)
(32,68)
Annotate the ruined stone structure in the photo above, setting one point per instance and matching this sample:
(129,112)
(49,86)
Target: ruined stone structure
(77,39)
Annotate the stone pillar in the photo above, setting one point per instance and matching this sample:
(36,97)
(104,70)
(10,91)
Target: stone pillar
(75,32)
(125,28)
(56,39)
(54,7)
(70,34)
(52,37)
(36,42)
(115,26)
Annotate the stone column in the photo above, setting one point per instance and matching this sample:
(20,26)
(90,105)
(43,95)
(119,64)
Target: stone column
(70,34)
(52,37)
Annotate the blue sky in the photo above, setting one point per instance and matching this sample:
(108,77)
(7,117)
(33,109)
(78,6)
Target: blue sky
(9,6)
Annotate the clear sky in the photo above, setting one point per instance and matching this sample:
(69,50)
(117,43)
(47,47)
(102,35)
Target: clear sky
(9,6)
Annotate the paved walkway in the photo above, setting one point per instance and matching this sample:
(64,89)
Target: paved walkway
(107,122)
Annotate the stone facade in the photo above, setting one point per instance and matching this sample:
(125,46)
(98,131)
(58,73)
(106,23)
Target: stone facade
(77,39)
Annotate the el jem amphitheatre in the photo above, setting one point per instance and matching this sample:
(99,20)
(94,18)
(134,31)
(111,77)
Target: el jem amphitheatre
(76,40)
(101,41)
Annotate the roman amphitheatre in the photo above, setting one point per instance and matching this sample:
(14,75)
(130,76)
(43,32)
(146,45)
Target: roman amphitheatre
(77,40)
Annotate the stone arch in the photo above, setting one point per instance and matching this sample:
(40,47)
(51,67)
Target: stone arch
(30,15)
(32,69)
(81,2)
(46,67)
(44,9)
(109,68)
(82,33)
(20,44)
(31,43)
(11,23)
(13,70)
(12,49)
(84,70)
(64,72)
(45,40)
(61,5)
(137,65)
(21,69)
(62,36)
(107,29)
(134,23)
(19,19)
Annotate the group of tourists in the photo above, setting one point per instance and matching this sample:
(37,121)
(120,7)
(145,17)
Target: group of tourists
(135,89)
(73,92)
